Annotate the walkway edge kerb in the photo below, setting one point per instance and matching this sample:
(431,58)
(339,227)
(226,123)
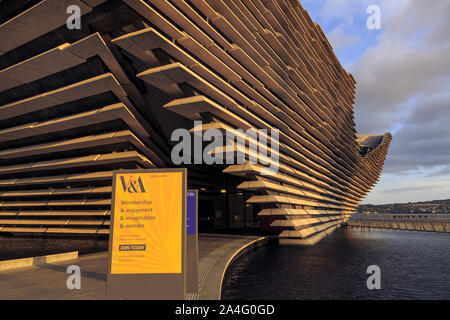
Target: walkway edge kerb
(243,250)
(11,265)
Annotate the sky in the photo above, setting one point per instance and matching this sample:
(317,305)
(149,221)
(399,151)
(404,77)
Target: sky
(403,79)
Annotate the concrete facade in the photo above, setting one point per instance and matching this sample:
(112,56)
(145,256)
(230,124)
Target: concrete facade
(77,104)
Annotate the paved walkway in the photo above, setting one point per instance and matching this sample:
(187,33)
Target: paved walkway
(49,281)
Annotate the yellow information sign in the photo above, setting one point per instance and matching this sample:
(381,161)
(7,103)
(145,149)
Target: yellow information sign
(147,223)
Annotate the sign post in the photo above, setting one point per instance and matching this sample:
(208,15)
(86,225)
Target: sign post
(192,242)
(147,243)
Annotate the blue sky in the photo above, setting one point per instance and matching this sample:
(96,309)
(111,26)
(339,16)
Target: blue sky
(403,86)
(347,27)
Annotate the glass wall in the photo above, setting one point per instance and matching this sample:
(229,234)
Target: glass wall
(229,211)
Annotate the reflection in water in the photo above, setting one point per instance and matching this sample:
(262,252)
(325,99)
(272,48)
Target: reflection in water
(414,265)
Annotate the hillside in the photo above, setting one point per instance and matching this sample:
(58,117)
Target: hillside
(435,206)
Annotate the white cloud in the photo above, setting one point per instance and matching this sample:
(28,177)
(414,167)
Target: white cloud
(391,189)
(344,10)
(403,85)
(404,65)
(339,39)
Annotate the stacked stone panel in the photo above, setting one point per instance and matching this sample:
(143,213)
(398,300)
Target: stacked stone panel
(73,108)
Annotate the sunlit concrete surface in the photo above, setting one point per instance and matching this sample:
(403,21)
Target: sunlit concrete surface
(48,281)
